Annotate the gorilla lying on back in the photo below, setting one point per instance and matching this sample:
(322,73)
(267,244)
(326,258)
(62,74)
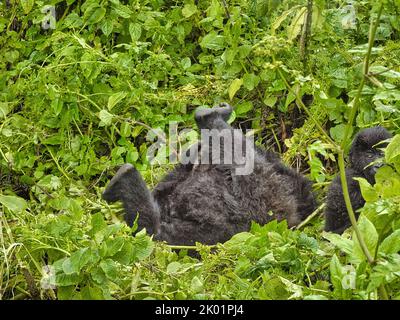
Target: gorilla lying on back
(209,203)
(364,150)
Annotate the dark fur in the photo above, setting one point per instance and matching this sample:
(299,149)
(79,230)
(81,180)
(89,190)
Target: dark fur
(209,203)
(364,150)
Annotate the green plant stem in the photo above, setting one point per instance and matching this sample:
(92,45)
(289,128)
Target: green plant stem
(345,141)
(372,32)
(311,216)
(349,207)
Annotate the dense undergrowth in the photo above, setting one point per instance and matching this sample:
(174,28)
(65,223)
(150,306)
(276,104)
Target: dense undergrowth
(79,92)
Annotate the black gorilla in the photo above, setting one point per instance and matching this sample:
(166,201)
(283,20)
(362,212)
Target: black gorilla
(209,203)
(364,150)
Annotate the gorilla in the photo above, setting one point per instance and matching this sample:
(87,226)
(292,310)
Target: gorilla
(210,201)
(364,150)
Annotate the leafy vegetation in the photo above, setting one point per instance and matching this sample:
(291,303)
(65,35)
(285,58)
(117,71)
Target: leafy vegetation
(80,90)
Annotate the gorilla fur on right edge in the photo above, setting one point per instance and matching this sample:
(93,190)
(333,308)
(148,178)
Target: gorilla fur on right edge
(209,203)
(364,150)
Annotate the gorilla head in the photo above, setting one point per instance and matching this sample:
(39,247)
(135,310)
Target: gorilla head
(366,149)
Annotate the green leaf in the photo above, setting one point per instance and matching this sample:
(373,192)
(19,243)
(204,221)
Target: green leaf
(337,132)
(121,10)
(113,246)
(393,149)
(189,10)
(243,108)
(125,129)
(213,41)
(383,71)
(27,5)
(114,99)
(105,117)
(370,236)
(173,267)
(77,260)
(295,27)
(73,20)
(367,191)
(196,285)
(135,30)
(98,275)
(94,14)
(143,246)
(234,87)
(64,280)
(250,81)
(110,269)
(336,274)
(186,63)
(92,293)
(339,241)
(98,223)
(391,244)
(13,203)
(107,27)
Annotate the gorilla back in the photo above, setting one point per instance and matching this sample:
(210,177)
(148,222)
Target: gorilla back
(209,202)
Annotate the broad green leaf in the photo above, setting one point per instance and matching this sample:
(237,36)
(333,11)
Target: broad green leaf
(339,241)
(250,81)
(336,274)
(393,149)
(234,87)
(94,14)
(27,5)
(114,99)
(64,280)
(121,10)
(391,244)
(189,10)
(277,23)
(337,132)
(196,285)
(113,246)
(73,20)
(135,31)
(295,27)
(110,269)
(370,236)
(105,117)
(125,129)
(5,108)
(76,261)
(107,26)
(92,293)
(13,203)
(367,191)
(243,108)
(173,267)
(213,41)
(143,246)
(383,71)
(186,63)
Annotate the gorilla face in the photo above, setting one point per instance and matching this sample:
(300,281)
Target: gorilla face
(366,149)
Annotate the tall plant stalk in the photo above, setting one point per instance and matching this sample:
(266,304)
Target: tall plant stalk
(345,141)
(340,149)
